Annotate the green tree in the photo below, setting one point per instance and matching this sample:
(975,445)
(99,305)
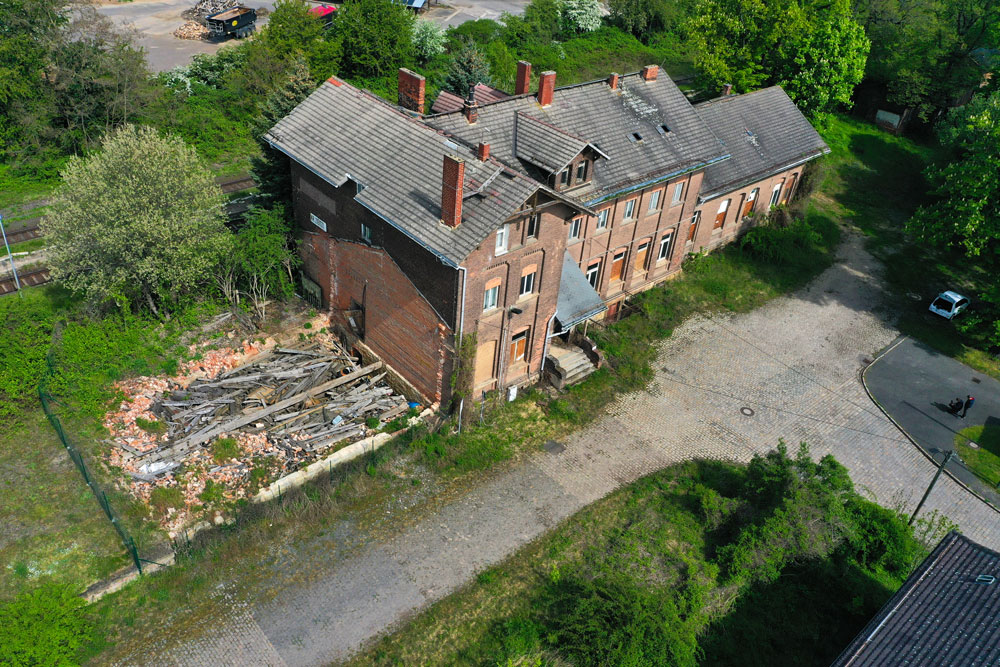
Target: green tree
(138,223)
(259,262)
(377,37)
(46,626)
(579,16)
(638,17)
(271,169)
(467,68)
(428,40)
(816,51)
(291,30)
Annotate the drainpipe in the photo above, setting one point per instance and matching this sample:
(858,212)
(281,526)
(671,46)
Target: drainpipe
(461,327)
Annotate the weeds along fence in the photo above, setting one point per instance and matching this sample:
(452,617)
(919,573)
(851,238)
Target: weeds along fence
(74,453)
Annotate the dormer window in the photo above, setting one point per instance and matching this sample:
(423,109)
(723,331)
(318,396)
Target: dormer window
(564,176)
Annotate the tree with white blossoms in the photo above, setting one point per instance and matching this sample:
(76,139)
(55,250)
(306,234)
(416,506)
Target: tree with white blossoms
(138,224)
(579,16)
(428,40)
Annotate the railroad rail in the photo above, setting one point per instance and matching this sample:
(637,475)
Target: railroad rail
(24,234)
(28,279)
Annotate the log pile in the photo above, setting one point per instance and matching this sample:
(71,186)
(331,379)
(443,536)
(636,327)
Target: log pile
(191,30)
(285,406)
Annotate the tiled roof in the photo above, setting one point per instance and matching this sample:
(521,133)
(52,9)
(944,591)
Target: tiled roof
(648,130)
(341,133)
(946,613)
(448,101)
(764,132)
(547,147)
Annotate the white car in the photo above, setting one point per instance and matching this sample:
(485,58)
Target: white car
(948,304)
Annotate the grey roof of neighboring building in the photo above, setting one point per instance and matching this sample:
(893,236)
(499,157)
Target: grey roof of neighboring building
(577,299)
(341,133)
(765,133)
(448,101)
(606,118)
(944,614)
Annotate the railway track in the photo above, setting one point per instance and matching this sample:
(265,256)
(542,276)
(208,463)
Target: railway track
(28,279)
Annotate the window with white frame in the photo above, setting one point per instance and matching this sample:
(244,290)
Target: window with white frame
(564,177)
(491,297)
(594,273)
(366,233)
(654,200)
(574,228)
(313,218)
(678,193)
(533,224)
(581,172)
(527,283)
(501,246)
(665,245)
(629,209)
(602,218)
(776,195)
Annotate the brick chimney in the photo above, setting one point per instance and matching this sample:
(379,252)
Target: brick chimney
(650,72)
(727,89)
(523,78)
(546,87)
(411,90)
(613,81)
(452,180)
(483,151)
(470,108)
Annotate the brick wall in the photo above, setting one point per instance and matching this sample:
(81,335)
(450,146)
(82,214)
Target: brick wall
(485,266)
(400,326)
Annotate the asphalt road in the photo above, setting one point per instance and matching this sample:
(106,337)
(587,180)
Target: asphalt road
(156,20)
(914,384)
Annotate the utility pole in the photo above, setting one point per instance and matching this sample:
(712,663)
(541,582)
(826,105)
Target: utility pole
(930,486)
(17,282)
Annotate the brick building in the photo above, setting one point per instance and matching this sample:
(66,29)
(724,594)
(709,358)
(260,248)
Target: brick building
(517,217)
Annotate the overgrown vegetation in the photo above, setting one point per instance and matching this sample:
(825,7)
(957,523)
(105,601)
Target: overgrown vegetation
(680,568)
(44,626)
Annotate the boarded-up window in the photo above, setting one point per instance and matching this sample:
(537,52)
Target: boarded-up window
(720,217)
(519,346)
(485,361)
(640,256)
(617,265)
(693,227)
(786,195)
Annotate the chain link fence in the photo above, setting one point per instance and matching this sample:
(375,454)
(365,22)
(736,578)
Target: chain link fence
(102,499)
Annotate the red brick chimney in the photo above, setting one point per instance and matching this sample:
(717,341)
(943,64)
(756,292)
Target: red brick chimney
(727,89)
(411,90)
(546,87)
(613,81)
(523,77)
(483,151)
(452,180)
(649,72)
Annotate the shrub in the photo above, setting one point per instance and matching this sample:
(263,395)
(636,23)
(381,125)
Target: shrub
(772,242)
(428,40)
(164,497)
(212,493)
(151,426)
(46,626)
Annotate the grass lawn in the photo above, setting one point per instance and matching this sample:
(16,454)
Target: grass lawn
(875,181)
(653,573)
(984,459)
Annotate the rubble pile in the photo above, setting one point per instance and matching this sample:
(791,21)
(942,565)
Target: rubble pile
(191,30)
(203,8)
(277,411)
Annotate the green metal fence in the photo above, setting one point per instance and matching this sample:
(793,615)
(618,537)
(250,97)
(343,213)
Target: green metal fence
(102,498)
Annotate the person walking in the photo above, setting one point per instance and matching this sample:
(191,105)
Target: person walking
(968,404)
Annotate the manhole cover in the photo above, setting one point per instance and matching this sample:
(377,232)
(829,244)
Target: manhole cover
(914,296)
(977,380)
(746,412)
(553,447)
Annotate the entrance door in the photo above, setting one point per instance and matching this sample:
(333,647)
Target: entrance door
(485,360)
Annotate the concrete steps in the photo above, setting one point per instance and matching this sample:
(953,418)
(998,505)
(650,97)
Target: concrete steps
(567,365)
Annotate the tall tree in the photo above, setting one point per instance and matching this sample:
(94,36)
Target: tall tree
(138,224)
(271,169)
(815,50)
(467,68)
(377,37)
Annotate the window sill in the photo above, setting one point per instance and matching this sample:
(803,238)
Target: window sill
(527,297)
(676,203)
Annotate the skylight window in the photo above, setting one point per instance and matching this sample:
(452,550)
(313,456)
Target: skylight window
(634,137)
(663,129)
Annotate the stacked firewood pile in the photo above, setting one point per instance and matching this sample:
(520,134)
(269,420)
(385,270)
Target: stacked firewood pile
(285,406)
(191,30)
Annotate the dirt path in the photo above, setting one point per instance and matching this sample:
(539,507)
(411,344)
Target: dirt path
(793,363)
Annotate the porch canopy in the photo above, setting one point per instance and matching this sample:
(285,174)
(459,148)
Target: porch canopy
(578,301)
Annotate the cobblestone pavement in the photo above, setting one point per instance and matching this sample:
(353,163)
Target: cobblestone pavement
(795,363)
